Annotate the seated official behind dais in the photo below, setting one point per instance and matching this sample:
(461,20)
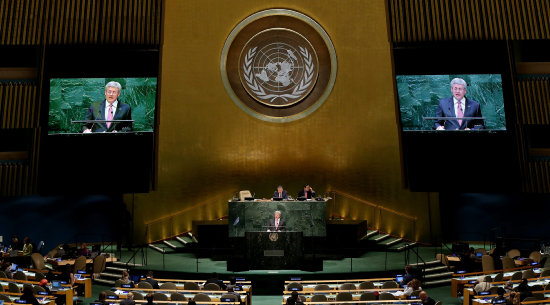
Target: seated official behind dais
(307,192)
(280,193)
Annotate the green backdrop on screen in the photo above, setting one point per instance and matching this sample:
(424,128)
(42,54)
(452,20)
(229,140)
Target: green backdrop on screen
(419,96)
(70,98)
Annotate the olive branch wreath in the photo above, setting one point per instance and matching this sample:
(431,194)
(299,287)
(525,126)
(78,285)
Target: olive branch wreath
(259,90)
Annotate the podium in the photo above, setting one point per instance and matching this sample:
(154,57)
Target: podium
(274,250)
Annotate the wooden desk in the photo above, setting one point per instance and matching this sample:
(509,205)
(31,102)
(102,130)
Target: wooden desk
(87,282)
(56,262)
(356,294)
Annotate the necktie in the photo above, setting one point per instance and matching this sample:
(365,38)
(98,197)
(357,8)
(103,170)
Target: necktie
(110,115)
(280,195)
(459,113)
(277,224)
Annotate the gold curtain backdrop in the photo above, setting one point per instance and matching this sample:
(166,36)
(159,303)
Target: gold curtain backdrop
(209,148)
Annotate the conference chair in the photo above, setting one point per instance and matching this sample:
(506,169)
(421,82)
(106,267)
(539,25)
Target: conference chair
(230,296)
(344,296)
(321,287)
(1,288)
(100,262)
(144,285)
(547,287)
(38,261)
(12,287)
(3,275)
(191,286)
(168,286)
(535,256)
(545,273)
(488,279)
(110,293)
(319,298)
(212,287)
(538,295)
(529,299)
(389,285)
(201,297)
(157,296)
(517,276)
(438,303)
(79,264)
(39,276)
(20,275)
(537,287)
(5,298)
(138,296)
(508,263)
(37,289)
(499,277)
(487,263)
(367,296)
(386,296)
(528,274)
(366,285)
(513,253)
(416,293)
(295,286)
(347,286)
(177,297)
(493,290)
(118,283)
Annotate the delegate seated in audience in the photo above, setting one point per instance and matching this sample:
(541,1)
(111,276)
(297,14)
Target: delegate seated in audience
(231,291)
(216,280)
(102,298)
(412,286)
(509,287)
(514,298)
(28,295)
(6,267)
(500,296)
(409,275)
(129,300)
(96,251)
(44,284)
(151,280)
(126,278)
(84,251)
(426,300)
(16,243)
(232,283)
(27,247)
(524,290)
(482,285)
(191,302)
(294,299)
(149,297)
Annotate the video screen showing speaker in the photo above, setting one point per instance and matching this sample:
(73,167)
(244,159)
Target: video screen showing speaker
(464,102)
(102,105)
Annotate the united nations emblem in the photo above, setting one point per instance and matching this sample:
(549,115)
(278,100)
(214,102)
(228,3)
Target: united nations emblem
(278,65)
(273,236)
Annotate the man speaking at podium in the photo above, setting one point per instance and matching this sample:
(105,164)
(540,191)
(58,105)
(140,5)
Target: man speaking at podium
(458,106)
(110,109)
(277,224)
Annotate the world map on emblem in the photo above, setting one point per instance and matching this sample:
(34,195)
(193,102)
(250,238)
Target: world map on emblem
(278,67)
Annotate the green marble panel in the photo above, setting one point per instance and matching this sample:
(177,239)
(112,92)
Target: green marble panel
(308,217)
(419,96)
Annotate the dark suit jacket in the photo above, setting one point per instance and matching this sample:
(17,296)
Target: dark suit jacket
(285,194)
(153,283)
(309,194)
(446,108)
(97,112)
(282,225)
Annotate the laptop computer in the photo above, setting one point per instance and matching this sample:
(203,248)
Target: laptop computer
(399,278)
(78,276)
(56,285)
(13,267)
(277,199)
(479,255)
(226,300)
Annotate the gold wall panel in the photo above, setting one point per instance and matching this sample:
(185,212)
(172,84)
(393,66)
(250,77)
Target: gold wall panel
(209,148)
(426,20)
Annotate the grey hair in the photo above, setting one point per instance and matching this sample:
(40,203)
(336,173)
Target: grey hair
(278,212)
(459,81)
(280,187)
(113,84)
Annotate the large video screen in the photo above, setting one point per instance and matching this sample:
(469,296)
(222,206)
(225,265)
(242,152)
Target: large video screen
(102,105)
(451,102)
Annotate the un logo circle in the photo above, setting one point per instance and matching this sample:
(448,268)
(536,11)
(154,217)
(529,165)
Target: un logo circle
(278,65)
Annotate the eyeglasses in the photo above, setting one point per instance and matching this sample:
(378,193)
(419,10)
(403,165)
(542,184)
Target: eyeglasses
(111,92)
(458,89)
